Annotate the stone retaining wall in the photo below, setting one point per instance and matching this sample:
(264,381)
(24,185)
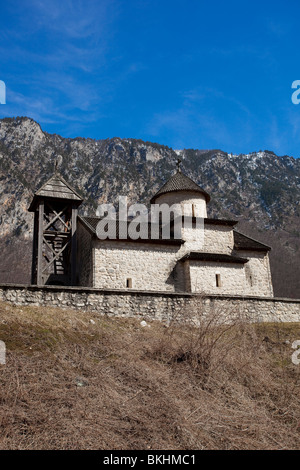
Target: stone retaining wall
(163,306)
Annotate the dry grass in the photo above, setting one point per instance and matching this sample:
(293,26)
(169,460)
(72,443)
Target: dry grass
(72,384)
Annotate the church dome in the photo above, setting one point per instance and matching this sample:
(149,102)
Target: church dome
(180,182)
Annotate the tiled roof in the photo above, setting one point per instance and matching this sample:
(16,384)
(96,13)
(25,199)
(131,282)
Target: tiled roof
(123,231)
(243,242)
(217,257)
(180,182)
(229,222)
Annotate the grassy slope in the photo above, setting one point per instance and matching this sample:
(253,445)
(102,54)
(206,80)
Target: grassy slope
(72,384)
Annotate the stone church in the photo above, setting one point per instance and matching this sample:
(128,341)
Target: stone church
(210,258)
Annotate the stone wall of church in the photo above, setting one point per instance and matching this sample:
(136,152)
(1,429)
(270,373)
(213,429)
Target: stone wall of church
(258,273)
(216,238)
(149,266)
(251,278)
(144,266)
(231,278)
(192,203)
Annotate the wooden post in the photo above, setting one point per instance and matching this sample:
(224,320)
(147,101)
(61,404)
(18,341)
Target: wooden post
(40,244)
(34,249)
(73,245)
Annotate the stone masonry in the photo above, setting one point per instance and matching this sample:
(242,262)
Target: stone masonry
(162,306)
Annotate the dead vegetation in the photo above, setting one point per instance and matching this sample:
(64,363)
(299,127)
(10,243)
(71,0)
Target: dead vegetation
(74,380)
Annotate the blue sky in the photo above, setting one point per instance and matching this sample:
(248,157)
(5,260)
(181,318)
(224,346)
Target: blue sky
(187,74)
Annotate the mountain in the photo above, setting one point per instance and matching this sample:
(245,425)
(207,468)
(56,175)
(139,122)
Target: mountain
(261,190)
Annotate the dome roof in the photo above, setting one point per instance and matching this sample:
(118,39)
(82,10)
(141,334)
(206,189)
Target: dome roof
(180,182)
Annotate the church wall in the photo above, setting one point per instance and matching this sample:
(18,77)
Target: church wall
(84,257)
(144,266)
(194,237)
(186,199)
(251,278)
(258,273)
(216,239)
(203,277)
(148,266)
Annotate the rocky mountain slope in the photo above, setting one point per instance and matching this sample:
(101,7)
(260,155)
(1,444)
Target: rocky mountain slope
(260,189)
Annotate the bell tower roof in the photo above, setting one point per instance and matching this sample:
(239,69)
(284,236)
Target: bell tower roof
(56,188)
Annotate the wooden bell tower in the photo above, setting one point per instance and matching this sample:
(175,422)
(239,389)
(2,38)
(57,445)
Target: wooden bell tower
(55,207)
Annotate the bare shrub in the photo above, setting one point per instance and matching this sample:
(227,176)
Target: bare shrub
(202,336)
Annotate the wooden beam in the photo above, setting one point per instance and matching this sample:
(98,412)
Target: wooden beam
(74,245)
(56,255)
(40,244)
(34,249)
(57,216)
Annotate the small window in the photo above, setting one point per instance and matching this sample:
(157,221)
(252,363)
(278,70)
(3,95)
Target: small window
(193,210)
(129,282)
(218,280)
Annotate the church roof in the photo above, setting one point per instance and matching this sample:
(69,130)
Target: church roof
(243,242)
(210,221)
(122,231)
(56,187)
(180,182)
(217,257)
